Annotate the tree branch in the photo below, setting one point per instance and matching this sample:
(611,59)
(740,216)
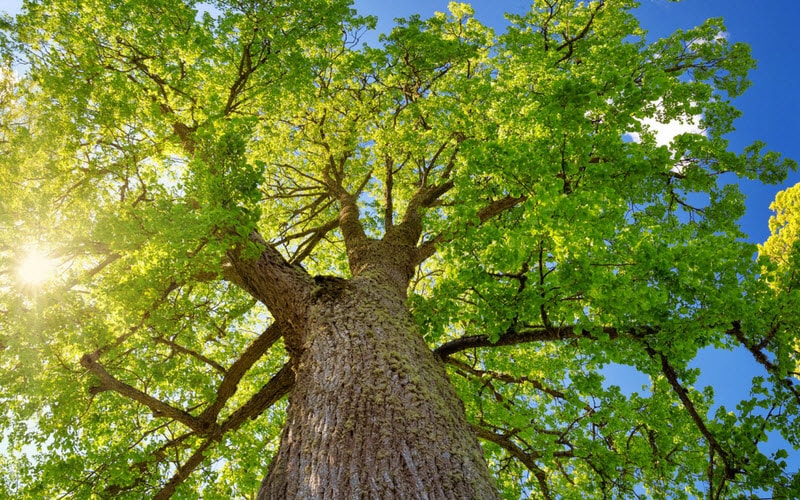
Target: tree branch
(672,377)
(184,471)
(277,387)
(350,221)
(268,277)
(388,210)
(239,368)
(527,459)
(493,209)
(570,42)
(317,234)
(515,337)
(758,354)
(158,407)
(506,378)
(179,348)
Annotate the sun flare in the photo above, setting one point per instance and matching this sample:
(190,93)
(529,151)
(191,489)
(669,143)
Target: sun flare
(36,268)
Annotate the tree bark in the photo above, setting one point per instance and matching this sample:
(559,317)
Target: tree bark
(372,413)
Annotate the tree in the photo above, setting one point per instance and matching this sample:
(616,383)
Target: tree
(276,251)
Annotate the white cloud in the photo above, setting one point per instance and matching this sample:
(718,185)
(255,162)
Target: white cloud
(720,37)
(665,133)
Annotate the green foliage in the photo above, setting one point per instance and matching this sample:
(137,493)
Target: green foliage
(148,140)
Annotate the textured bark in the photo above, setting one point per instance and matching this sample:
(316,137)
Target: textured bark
(372,413)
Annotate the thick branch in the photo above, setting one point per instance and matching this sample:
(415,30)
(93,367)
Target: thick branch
(388,210)
(239,368)
(410,228)
(280,286)
(497,207)
(186,136)
(278,386)
(514,337)
(158,407)
(427,194)
(350,221)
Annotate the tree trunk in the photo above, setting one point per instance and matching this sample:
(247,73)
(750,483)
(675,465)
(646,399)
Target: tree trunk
(372,414)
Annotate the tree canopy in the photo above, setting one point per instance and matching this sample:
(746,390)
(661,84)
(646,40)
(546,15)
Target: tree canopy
(150,151)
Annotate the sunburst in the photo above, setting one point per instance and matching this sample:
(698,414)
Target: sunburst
(36,268)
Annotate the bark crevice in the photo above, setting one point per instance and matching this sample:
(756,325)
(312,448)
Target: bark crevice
(372,413)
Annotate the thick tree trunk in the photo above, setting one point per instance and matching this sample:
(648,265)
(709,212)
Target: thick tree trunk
(372,414)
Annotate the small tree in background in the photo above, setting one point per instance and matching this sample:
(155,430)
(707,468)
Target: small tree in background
(276,251)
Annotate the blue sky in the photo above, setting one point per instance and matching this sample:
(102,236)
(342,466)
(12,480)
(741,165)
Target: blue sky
(771,106)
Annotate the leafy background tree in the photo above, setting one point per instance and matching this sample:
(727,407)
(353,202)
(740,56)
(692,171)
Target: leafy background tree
(190,170)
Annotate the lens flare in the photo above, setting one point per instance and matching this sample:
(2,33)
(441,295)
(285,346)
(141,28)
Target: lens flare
(36,268)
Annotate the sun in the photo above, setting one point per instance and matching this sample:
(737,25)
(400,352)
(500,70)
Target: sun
(36,268)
